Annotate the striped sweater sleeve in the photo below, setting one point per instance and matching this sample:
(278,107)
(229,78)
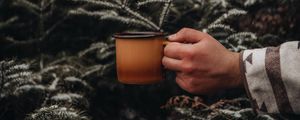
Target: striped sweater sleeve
(272,78)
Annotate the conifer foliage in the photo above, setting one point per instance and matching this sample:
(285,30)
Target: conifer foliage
(133,16)
(14,78)
(44,88)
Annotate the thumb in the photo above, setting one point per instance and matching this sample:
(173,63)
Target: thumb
(187,35)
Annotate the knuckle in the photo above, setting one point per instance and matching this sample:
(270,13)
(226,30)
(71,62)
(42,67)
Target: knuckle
(191,81)
(188,85)
(191,89)
(171,45)
(173,48)
(174,44)
(189,53)
(169,48)
(184,31)
(164,60)
(187,67)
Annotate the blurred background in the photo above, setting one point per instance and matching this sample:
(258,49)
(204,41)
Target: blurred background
(58,56)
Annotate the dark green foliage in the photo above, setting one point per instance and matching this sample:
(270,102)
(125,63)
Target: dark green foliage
(19,93)
(124,12)
(15,78)
(187,108)
(35,21)
(34,26)
(54,85)
(56,113)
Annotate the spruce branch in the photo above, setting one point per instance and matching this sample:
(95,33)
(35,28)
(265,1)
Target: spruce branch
(221,27)
(76,85)
(70,99)
(95,46)
(102,51)
(242,40)
(110,15)
(117,1)
(250,2)
(13,76)
(64,68)
(8,22)
(234,114)
(229,15)
(99,14)
(48,31)
(224,3)
(100,70)
(18,75)
(40,11)
(240,35)
(100,3)
(139,16)
(127,20)
(46,4)
(56,112)
(137,19)
(228,36)
(164,13)
(28,4)
(20,42)
(71,59)
(27,88)
(63,91)
(146,2)
(219,31)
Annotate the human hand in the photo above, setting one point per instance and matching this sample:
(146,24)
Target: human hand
(203,65)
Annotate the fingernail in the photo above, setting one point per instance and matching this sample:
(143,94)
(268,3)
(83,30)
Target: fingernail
(170,37)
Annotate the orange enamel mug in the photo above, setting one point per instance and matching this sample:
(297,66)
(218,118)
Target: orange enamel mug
(139,57)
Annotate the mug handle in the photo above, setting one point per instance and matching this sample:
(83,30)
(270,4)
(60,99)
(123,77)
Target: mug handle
(166,42)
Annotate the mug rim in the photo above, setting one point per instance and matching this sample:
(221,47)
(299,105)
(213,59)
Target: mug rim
(143,34)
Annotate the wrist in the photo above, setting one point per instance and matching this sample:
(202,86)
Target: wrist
(234,71)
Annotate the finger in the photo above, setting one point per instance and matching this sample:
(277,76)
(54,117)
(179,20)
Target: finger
(184,76)
(176,50)
(172,64)
(182,84)
(188,35)
(186,84)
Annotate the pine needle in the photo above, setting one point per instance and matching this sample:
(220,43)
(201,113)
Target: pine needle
(223,27)
(81,11)
(139,16)
(28,4)
(241,35)
(100,3)
(93,47)
(8,22)
(142,3)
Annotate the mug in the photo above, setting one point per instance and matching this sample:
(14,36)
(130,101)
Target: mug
(139,57)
